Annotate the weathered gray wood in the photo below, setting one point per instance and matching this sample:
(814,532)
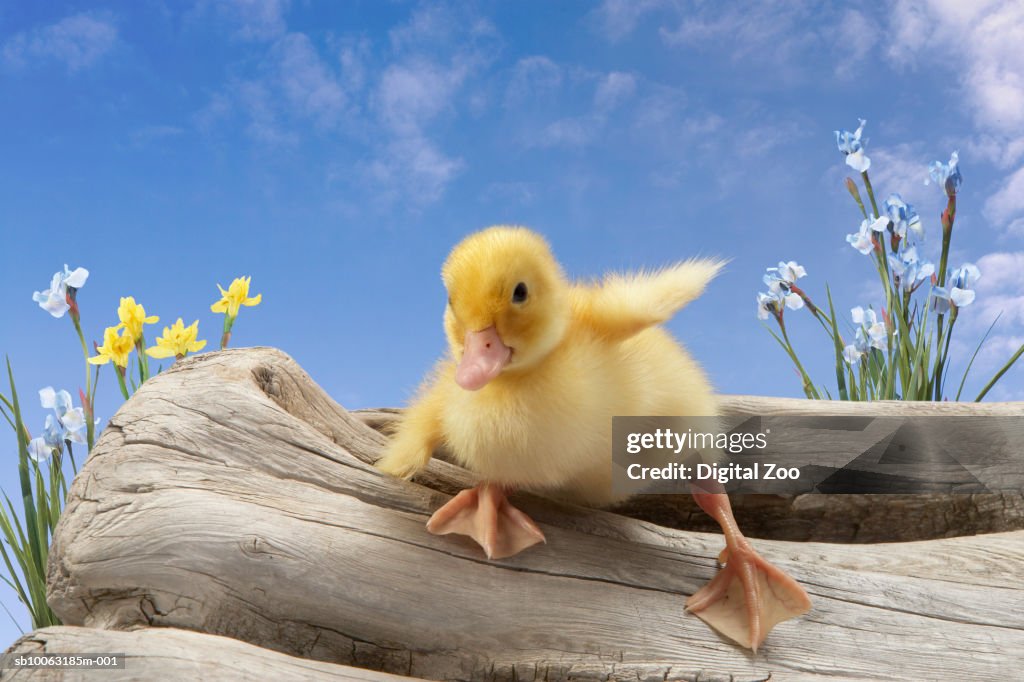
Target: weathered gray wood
(232,496)
(826,518)
(169,654)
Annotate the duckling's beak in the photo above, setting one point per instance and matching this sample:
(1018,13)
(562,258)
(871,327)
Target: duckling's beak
(483,358)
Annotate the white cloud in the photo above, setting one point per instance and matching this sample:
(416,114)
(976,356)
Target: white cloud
(428,23)
(566,132)
(1000,291)
(1016,227)
(1007,204)
(681,132)
(540,90)
(857,37)
(409,97)
(216,110)
(901,169)
(79,41)
(435,54)
(257,101)
(988,62)
(412,94)
(440,25)
(1000,295)
(614,89)
(294,84)
(996,70)
(616,19)
(353,56)
(307,83)
(532,77)
(412,170)
(1002,271)
(385,100)
(759,140)
(255,20)
(996,148)
(773,32)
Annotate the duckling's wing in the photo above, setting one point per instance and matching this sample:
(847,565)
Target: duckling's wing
(623,305)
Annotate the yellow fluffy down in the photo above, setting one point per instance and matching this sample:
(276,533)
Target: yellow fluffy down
(582,353)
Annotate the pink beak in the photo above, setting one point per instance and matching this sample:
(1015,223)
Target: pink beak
(483,358)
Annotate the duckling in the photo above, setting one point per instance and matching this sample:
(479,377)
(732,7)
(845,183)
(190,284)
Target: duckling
(537,369)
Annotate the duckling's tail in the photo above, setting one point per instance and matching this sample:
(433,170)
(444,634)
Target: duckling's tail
(625,304)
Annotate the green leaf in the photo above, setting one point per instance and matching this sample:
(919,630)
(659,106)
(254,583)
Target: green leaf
(975,354)
(809,390)
(1000,373)
(838,345)
(31,522)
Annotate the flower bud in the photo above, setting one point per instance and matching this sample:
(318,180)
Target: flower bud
(851,187)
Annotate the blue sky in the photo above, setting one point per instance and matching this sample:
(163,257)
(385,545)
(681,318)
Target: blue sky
(336,151)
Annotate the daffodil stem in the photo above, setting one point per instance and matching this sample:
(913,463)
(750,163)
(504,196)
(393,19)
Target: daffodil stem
(140,346)
(229,321)
(119,371)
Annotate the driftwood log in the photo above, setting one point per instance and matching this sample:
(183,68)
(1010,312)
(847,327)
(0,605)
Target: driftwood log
(231,496)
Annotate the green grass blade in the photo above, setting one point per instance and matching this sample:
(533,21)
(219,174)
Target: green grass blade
(31,522)
(808,386)
(838,345)
(1000,373)
(963,379)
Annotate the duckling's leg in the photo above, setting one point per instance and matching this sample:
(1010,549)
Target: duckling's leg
(484,514)
(748,596)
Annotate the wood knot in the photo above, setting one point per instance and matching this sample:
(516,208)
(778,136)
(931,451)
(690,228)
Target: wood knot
(267,381)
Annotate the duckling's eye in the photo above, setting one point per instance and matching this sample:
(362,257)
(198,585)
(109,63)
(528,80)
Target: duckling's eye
(519,295)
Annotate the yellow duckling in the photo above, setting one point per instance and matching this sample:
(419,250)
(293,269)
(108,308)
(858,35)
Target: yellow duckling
(538,368)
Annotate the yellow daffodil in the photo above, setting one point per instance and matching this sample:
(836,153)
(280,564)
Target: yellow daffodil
(133,316)
(116,347)
(237,295)
(178,340)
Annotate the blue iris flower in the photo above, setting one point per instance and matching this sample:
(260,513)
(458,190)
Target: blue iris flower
(946,175)
(851,145)
(772,303)
(54,299)
(959,289)
(861,240)
(903,217)
(910,268)
(870,334)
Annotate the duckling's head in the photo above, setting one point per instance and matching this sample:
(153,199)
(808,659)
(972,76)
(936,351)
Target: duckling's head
(508,303)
